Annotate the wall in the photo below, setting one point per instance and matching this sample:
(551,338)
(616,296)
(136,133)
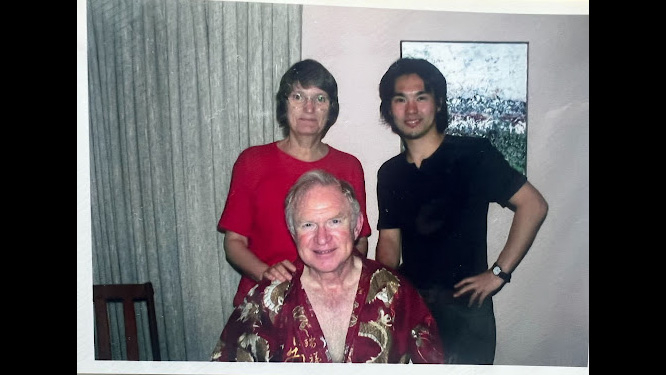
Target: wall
(543,315)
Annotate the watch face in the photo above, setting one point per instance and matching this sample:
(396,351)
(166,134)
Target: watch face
(496,270)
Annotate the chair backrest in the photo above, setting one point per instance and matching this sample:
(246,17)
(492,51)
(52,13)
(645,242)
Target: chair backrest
(127,294)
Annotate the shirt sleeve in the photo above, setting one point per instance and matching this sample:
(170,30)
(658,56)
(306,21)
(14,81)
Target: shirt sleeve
(358,183)
(237,213)
(497,180)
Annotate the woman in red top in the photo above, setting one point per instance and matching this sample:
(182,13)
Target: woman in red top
(257,241)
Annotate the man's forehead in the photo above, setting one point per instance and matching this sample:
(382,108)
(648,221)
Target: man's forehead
(323,197)
(410,84)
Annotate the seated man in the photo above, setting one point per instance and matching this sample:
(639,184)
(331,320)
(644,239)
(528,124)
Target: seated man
(338,305)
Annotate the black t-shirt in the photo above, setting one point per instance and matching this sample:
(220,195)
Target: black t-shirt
(442,207)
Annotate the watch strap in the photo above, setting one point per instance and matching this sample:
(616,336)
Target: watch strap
(505,276)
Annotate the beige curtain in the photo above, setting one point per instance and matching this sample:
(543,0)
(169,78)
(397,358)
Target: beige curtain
(178,88)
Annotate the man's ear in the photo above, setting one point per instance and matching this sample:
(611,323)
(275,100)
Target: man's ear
(359,226)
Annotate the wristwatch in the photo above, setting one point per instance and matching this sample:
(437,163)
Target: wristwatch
(497,271)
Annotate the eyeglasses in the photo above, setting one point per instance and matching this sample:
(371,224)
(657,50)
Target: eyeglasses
(299,99)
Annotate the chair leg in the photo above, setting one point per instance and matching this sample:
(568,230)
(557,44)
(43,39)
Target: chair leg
(131,331)
(102,325)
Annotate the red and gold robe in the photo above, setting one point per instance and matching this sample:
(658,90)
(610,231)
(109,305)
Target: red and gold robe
(389,323)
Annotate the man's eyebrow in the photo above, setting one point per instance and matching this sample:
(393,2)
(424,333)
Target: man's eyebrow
(401,93)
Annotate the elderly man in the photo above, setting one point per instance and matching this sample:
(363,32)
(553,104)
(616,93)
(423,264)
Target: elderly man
(338,305)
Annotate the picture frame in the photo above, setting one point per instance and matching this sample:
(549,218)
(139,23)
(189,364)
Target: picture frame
(486,90)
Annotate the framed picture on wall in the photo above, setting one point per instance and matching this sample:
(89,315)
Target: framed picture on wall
(486,90)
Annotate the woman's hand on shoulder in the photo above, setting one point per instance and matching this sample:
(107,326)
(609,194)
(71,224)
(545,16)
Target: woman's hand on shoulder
(280,271)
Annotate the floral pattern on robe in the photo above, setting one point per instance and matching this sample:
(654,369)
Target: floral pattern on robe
(389,323)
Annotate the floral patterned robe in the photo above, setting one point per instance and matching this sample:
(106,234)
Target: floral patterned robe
(390,323)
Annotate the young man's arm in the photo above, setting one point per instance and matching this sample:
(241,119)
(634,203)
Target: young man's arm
(530,210)
(388,250)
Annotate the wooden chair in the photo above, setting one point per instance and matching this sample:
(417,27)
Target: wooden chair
(127,294)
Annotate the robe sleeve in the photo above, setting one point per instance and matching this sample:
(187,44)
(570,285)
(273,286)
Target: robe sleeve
(248,335)
(419,328)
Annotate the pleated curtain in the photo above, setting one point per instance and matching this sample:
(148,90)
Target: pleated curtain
(178,88)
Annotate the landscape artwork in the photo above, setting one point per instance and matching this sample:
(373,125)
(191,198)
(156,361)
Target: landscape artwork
(487,91)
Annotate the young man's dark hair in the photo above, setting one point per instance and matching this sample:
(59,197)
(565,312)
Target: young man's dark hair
(434,82)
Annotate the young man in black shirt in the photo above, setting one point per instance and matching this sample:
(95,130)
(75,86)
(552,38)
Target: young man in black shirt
(433,204)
